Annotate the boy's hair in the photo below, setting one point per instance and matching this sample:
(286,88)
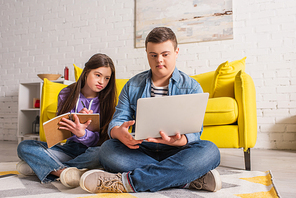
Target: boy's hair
(160,35)
(107,96)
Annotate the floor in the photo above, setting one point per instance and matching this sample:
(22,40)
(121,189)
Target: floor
(282,163)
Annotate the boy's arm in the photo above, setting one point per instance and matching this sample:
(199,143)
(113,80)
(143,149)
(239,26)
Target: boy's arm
(123,110)
(122,120)
(191,137)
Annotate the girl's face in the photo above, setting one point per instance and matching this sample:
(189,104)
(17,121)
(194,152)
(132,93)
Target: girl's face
(96,81)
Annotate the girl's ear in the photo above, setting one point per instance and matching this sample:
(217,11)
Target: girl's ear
(85,76)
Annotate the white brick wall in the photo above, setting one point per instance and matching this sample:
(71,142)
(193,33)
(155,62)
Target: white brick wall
(40,37)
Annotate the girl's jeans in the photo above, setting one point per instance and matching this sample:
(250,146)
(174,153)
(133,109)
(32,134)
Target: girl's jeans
(43,160)
(153,166)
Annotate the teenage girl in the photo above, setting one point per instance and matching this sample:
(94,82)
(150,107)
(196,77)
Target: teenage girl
(94,92)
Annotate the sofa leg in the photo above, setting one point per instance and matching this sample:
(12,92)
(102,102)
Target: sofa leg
(247,155)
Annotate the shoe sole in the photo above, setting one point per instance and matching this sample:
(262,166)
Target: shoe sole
(64,172)
(62,176)
(18,168)
(217,180)
(82,178)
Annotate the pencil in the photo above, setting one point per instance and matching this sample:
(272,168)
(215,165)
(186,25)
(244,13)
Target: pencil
(83,104)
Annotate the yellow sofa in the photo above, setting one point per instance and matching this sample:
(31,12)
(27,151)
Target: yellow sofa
(232,122)
(231,116)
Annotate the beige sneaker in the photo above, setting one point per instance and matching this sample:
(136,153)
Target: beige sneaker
(210,182)
(23,168)
(70,177)
(98,181)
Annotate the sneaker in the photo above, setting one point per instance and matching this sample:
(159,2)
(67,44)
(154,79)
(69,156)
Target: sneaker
(98,181)
(210,182)
(70,177)
(23,168)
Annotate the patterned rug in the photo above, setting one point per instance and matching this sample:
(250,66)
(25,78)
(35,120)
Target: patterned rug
(235,183)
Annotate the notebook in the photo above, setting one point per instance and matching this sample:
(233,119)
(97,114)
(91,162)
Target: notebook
(55,135)
(170,114)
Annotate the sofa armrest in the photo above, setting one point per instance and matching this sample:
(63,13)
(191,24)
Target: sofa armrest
(49,102)
(245,94)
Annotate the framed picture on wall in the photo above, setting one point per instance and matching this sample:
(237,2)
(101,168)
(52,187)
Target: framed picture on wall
(191,20)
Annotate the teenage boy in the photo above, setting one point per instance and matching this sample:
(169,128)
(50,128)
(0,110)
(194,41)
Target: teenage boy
(182,161)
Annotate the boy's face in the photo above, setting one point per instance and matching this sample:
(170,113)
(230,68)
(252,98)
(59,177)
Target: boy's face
(162,60)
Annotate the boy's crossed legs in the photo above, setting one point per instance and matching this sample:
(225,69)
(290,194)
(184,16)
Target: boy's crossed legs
(154,167)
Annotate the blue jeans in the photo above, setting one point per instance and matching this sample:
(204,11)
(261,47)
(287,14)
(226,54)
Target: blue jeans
(44,160)
(154,167)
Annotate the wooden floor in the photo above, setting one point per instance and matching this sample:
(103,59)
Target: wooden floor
(282,163)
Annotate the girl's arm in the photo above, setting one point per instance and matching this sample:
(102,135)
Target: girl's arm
(80,131)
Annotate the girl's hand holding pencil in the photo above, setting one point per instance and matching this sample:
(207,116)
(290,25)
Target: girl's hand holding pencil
(74,124)
(85,110)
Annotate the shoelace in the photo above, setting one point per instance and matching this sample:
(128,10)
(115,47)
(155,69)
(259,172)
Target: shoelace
(198,184)
(111,184)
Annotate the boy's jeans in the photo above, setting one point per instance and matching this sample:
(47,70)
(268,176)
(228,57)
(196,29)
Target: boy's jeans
(153,166)
(43,160)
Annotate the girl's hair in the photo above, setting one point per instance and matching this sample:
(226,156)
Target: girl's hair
(107,97)
(160,35)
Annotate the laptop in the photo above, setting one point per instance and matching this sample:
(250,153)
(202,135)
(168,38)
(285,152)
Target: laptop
(170,114)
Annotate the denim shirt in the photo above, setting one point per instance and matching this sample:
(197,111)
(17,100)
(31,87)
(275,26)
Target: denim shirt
(140,87)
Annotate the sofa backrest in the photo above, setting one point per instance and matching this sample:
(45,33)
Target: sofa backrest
(205,80)
(218,83)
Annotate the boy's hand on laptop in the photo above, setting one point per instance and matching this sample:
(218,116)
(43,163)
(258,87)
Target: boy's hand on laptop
(121,133)
(176,140)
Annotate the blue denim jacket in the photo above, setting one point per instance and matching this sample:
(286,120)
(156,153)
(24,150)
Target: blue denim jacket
(140,87)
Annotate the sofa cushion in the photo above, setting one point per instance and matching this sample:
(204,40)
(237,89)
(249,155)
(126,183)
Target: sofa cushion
(77,72)
(120,84)
(205,80)
(224,136)
(51,111)
(223,82)
(221,111)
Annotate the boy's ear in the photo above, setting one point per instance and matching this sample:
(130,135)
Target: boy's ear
(177,52)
